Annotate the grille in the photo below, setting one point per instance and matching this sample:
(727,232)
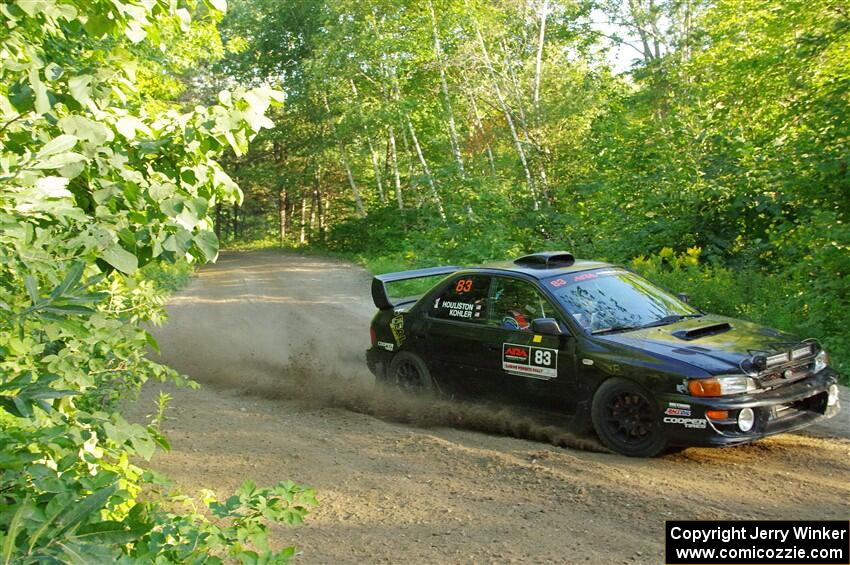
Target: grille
(786,375)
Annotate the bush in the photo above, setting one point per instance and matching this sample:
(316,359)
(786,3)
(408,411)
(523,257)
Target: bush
(92,189)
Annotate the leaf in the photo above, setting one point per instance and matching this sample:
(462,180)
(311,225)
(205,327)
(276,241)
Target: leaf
(89,505)
(31,284)
(51,394)
(80,87)
(34,537)
(134,32)
(128,125)
(151,341)
(22,406)
(121,259)
(71,278)
(220,5)
(59,161)
(53,72)
(112,533)
(42,102)
(69,309)
(207,242)
(53,187)
(14,528)
(58,144)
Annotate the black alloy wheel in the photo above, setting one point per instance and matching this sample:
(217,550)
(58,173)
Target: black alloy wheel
(410,373)
(626,419)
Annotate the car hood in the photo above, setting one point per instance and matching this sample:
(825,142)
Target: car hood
(707,342)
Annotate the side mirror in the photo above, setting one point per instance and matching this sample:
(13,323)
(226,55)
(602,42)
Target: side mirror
(684,297)
(547,326)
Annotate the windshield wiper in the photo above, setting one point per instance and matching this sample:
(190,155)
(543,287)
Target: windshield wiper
(616,329)
(670,319)
(661,322)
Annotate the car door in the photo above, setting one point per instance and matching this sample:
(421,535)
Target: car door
(453,322)
(530,369)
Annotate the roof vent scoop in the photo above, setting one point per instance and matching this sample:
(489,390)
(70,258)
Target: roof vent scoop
(547,260)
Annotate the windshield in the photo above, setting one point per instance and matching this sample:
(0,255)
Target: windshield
(609,300)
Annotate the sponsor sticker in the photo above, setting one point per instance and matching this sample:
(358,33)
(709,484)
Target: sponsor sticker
(558,283)
(397,328)
(386,345)
(678,409)
(530,361)
(695,423)
(462,310)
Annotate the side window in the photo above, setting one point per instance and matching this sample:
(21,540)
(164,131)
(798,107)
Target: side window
(464,300)
(515,303)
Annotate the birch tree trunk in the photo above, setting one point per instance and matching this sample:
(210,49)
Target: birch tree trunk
(434,194)
(544,13)
(317,190)
(479,125)
(396,176)
(303,238)
(506,111)
(344,158)
(523,123)
(373,154)
(447,102)
(281,216)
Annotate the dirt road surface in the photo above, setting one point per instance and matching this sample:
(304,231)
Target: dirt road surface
(399,481)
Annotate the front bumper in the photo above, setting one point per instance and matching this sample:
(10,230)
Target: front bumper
(780,410)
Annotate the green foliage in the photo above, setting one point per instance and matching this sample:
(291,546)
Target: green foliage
(731,136)
(93,186)
(168,276)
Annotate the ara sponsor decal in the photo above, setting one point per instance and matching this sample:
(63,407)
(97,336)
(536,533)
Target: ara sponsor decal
(557,283)
(584,277)
(397,328)
(516,353)
(386,345)
(695,423)
(529,361)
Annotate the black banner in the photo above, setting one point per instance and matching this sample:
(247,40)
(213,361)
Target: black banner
(757,542)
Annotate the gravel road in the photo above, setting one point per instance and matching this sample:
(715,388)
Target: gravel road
(277,340)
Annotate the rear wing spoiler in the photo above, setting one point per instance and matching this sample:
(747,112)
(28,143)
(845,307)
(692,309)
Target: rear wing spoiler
(379,290)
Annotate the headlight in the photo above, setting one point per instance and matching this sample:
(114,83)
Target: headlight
(821,361)
(746,419)
(721,386)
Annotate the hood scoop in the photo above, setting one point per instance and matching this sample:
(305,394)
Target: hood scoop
(696,333)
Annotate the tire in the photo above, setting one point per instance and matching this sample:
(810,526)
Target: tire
(626,419)
(408,372)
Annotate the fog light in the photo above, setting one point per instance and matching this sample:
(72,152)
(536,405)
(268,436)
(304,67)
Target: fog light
(746,419)
(832,399)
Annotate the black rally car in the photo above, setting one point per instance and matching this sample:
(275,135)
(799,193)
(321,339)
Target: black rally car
(553,334)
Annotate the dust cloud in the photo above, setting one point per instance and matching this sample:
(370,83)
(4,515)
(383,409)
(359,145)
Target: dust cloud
(301,382)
